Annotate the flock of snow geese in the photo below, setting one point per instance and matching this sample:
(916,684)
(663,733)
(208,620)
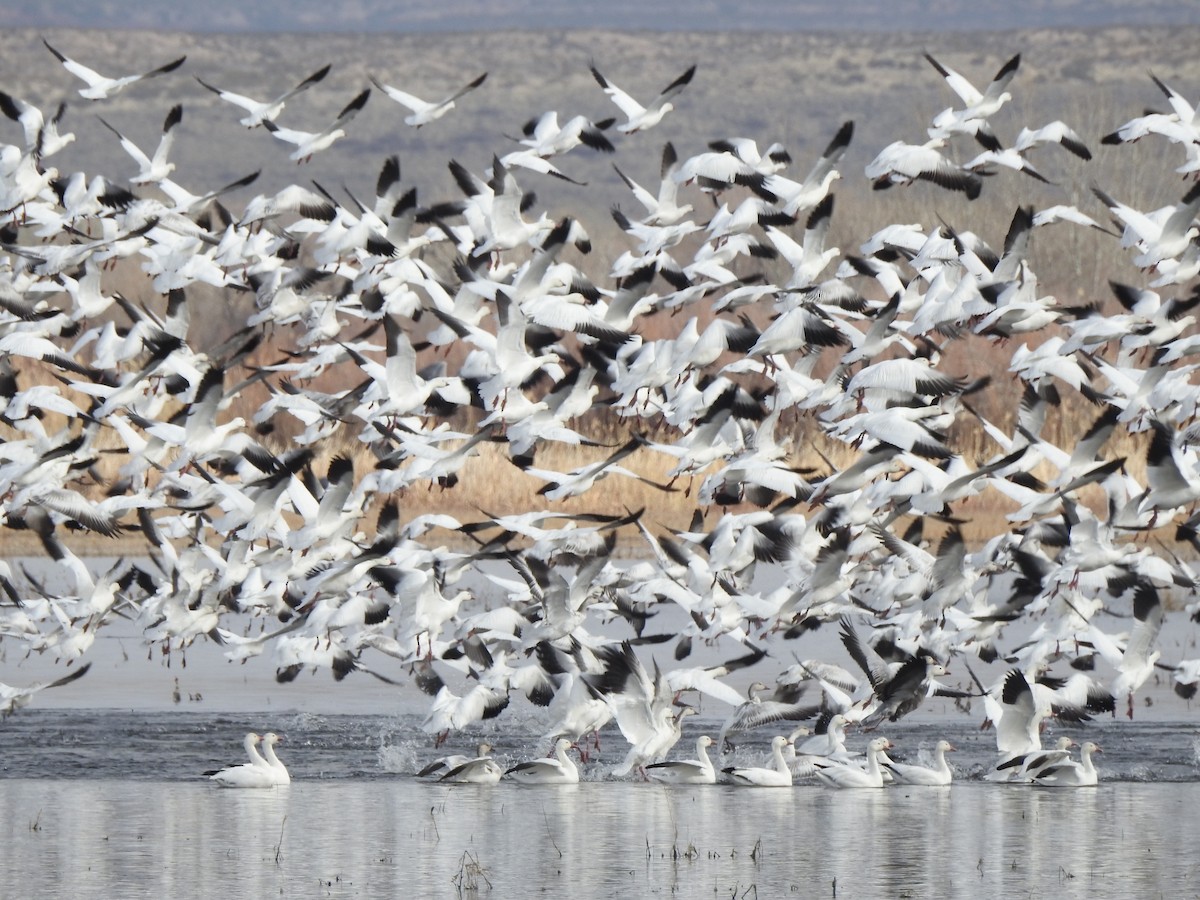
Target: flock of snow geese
(314,560)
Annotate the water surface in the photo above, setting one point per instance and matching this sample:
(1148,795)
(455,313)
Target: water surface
(103,803)
(402,837)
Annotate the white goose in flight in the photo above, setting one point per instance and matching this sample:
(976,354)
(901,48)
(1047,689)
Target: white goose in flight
(639,117)
(152,169)
(100,87)
(42,138)
(259,111)
(425,111)
(13,698)
(309,143)
(977,106)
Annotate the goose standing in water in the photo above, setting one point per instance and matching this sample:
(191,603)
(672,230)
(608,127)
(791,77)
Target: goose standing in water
(686,771)
(559,769)
(751,776)
(257,773)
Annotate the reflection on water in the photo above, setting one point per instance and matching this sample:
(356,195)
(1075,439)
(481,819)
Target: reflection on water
(406,838)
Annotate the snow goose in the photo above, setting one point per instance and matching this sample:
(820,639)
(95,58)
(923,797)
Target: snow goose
(100,86)
(844,775)
(14,698)
(1068,773)
(729,162)
(977,108)
(580,480)
(903,380)
(756,712)
(809,257)
(291,199)
(1009,158)
(641,705)
(1136,661)
(1056,132)
(686,771)
(1180,126)
(259,111)
(559,769)
(42,138)
(937,774)
(900,687)
(269,740)
(575,710)
(1018,722)
(424,111)
(663,208)
(1060,212)
(481,769)
(828,743)
(505,228)
(638,117)
(450,712)
(1186,678)
(803,329)
(795,197)
(309,143)
(152,170)
(1022,767)
(901,163)
(545,137)
(1162,234)
(753,776)
(255,774)
(444,764)
(1167,486)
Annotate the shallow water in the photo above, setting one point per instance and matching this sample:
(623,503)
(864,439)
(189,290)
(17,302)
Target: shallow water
(406,838)
(181,745)
(111,803)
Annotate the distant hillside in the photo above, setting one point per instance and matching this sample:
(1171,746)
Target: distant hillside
(383,16)
(796,88)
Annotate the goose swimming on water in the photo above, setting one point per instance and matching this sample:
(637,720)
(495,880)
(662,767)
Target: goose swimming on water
(845,775)
(559,769)
(257,773)
(779,775)
(686,771)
